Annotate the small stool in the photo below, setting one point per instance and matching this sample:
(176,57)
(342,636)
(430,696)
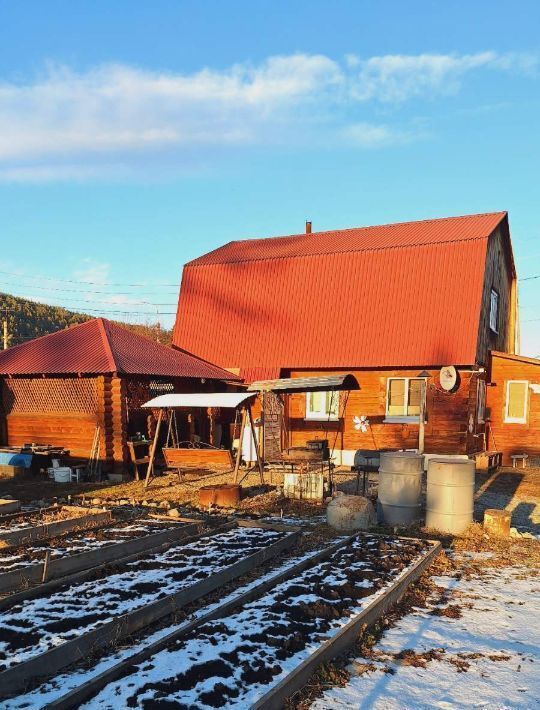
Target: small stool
(519,457)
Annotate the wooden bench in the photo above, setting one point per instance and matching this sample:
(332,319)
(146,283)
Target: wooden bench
(193,457)
(488,460)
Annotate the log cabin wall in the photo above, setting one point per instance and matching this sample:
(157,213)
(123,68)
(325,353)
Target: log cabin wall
(498,276)
(62,411)
(509,437)
(451,426)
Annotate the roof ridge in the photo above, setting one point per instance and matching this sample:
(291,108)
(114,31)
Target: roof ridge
(502,213)
(330,253)
(106,343)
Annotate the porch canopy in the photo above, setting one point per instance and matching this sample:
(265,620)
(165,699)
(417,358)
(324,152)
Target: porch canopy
(200,399)
(306,384)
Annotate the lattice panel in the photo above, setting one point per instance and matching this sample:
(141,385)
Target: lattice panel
(58,395)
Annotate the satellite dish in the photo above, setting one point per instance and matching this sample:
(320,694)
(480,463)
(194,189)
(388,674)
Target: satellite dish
(448,377)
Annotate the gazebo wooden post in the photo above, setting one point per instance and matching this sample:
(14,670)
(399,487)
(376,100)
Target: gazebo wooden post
(256,444)
(150,468)
(239,452)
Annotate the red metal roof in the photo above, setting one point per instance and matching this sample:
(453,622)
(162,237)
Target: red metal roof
(397,295)
(101,347)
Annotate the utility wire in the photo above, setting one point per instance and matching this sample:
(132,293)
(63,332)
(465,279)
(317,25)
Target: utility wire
(79,281)
(71,290)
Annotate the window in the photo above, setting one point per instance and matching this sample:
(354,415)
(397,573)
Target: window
(481,401)
(403,399)
(517,395)
(322,405)
(494,311)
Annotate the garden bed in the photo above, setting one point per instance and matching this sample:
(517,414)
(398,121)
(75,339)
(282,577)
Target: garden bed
(235,660)
(41,635)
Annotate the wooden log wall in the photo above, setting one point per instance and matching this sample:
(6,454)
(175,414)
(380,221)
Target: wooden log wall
(508,437)
(446,431)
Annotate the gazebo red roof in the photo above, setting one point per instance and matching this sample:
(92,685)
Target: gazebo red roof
(101,347)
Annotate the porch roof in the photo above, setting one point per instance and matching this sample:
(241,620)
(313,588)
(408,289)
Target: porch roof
(306,384)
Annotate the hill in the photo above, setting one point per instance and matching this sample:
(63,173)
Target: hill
(29,319)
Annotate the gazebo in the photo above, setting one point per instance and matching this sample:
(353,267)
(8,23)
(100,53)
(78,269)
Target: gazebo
(83,388)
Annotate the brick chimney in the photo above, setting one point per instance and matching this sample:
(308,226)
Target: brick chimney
(308,227)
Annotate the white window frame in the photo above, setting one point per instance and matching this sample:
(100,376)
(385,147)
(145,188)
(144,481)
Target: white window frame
(481,401)
(403,418)
(319,415)
(516,420)
(494,311)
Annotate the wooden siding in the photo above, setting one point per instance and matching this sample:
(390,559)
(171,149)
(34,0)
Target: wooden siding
(72,431)
(498,276)
(446,431)
(507,437)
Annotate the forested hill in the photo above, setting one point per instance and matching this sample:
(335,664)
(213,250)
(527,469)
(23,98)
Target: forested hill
(28,319)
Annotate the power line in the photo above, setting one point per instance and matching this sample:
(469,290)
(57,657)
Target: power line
(73,290)
(530,278)
(80,281)
(92,301)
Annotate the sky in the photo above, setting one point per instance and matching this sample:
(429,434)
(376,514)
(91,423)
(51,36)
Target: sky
(135,136)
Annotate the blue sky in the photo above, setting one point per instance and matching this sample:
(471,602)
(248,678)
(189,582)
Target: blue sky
(135,136)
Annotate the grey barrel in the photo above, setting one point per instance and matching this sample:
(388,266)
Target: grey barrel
(400,487)
(450,495)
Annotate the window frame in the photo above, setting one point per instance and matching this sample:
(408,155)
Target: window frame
(516,420)
(494,318)
(403,418)
(481,401)
(319,416)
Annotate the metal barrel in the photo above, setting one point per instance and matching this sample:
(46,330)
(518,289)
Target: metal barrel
(400,487)
(450,495)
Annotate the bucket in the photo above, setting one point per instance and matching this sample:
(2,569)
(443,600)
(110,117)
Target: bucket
(62,474)
(400,487)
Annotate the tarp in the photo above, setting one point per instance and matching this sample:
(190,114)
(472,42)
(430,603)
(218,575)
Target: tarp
(200,399)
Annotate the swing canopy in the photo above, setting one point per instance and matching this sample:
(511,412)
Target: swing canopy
(200,399)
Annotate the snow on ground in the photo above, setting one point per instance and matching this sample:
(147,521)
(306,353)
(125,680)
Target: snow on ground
(36,625)
(81,542)
(55,688)
(232,661)
(488,658)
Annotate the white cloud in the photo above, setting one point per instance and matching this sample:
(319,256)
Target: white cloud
(93,272)
(368,135)
(114,118)
(397,77)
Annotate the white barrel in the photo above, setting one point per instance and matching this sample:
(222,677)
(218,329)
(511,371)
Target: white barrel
(450,495)
(400,487)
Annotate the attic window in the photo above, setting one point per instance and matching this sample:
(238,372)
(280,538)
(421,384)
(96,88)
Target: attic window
(494,311)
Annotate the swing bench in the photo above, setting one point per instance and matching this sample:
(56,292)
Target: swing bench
(182,456)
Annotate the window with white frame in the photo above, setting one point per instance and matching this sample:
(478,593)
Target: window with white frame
(494,311)
(403,398)
(322,405)
(517,400)
(481,401)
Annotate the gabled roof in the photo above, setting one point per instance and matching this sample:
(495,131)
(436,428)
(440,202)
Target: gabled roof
(101,347)
(394,295)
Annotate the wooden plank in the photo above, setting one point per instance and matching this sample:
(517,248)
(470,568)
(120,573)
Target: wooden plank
(50,662)
(275,698)
(54,529)
(63,566)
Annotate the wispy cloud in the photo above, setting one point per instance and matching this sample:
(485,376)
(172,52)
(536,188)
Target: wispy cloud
(77,126)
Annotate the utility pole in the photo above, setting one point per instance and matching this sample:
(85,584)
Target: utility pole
(5,329)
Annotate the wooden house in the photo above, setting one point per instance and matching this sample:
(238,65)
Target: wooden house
(391,305)
(59,388)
